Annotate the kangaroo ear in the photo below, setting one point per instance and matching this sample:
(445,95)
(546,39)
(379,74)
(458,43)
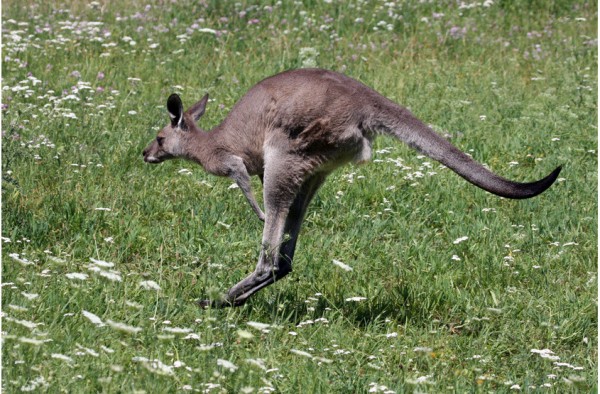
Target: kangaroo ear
(197,110)
(175,108)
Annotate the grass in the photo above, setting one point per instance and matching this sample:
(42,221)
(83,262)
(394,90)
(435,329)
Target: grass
(513,83)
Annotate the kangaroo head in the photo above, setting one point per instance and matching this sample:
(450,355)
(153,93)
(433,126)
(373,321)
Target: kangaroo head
(172,141)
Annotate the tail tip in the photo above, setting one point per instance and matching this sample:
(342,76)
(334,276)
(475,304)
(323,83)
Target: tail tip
(555,173)
(545,183)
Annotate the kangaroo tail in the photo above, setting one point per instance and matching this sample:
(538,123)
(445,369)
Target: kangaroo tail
(409,129)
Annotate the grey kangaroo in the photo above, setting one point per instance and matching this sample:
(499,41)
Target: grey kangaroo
(292,130)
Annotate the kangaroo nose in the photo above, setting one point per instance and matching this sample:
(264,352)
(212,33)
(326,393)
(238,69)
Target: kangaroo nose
(144,152)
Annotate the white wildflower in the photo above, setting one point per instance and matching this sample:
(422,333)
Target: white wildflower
(76,275)
(245,334)
(157,367)
(423,379)
(70,115)
(102,263)
(61,357)
(301,353)
(111,275)
(227,365)
(308,56)
(568,366)
(459,240)
(34,384)
(25,323)
(423,349)
(546,353)
(207,30)
(107,349)
(259,326)
(88,351)
(342,265)
(224,224)
(356,299)
(149,285)
(22,260)
(177,330)
(32,341)
(259,362)
(18,308)
(124,327)
(30,296)
(178,364)
(93,318)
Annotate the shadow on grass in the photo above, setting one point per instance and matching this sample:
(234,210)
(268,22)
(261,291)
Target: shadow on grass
(399,304)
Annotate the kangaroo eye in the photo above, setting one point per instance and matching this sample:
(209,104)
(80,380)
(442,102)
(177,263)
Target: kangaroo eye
(160,140)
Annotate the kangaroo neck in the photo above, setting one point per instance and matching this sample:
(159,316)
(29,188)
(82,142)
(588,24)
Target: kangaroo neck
(196,146)
(206,149)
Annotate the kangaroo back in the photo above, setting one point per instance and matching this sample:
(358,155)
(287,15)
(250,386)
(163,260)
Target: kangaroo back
(354,111)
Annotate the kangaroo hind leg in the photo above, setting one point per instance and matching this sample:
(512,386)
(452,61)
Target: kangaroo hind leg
(283,220)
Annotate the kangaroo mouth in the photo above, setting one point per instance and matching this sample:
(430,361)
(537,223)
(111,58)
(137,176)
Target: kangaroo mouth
(151,160)
(150,156)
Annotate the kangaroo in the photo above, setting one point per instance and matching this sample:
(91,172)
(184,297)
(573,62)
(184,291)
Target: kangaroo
(292,130)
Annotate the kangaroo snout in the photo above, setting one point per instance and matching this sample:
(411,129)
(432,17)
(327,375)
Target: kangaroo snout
(149,158)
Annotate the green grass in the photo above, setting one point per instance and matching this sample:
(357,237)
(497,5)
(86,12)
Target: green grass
(514,82)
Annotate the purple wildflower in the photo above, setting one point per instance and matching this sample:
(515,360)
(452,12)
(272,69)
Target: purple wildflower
(457,32)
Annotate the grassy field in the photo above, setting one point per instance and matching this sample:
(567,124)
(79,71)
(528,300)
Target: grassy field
(451,289)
